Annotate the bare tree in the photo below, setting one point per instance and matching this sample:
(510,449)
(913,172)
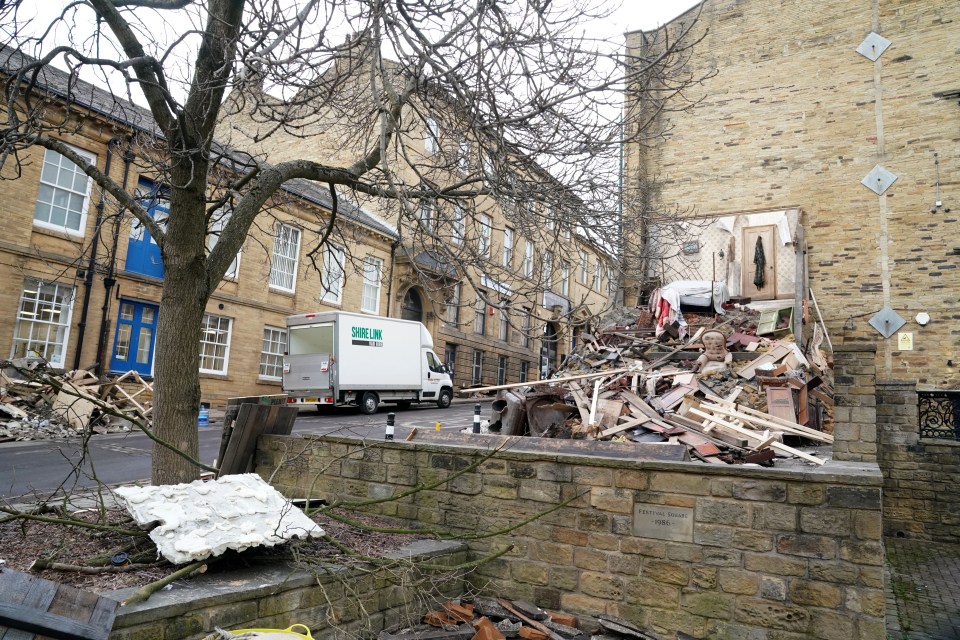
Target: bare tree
(478,108)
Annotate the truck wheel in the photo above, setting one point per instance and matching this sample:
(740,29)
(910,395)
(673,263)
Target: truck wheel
(446,396)
(369,402)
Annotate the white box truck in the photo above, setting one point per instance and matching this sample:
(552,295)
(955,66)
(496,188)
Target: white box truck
(339,358)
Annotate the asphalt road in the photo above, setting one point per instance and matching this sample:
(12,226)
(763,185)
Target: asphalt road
(40,469)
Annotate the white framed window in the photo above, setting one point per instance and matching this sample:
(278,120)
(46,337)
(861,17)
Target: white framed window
(502,370)
(271,353)
(64,194)
(486,229)
(217,224)
(503,329)
(524,371)
(507,247)
(565,278)
(426,215)
(611,283)
(453,308)
(528,259)
(43,322)
(547,270)
(525,324)
(480,316)
(285,258)
(551,223)
(458,224)
(372,270)
(432,142)
(331,278)
(214,344)
(463,157)
(476,375)
(596,276)
(584,268)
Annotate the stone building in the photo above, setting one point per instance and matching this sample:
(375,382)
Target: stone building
(827,133)
(504,299)
(83,283)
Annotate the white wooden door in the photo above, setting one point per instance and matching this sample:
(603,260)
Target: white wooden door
(765,287)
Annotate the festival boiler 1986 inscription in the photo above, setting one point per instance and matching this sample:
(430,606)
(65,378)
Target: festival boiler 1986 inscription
(663,522)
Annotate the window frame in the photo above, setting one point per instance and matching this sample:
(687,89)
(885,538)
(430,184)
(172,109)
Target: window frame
(547,268)
(205,330)
(431,141)
(80,232)
(584,268)
(453,307)
(427,215)
(213,237)
(369,285)
(476,367)
(277,258)
(278,365)
(503,328)
(508,239)
(502,364)
(526,325)
(528,259)
(480,316)
(328,293)
(485,221)
(564,278)
(61,329)
(524,371)
(458,227)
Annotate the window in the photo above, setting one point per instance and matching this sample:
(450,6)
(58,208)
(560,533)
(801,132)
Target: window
(504,327)
(43,322)
(271,353)
(331,279)
(565,278)
(214,344)
(525,328)
(524,371)
(426,215)
(476,375)
(432,142)
(528,259)
(584,268)
(64,193)
(486,226)
(551,224)
(480,315)
(450,358)
(463,157)
(507,247)
(502,370)
(566,235)
(611,283)
(453,307)
(370,300)
(286,254)
(596,276)
(143,253)
(547,270)
(488,171)
(217,224)
(459,215)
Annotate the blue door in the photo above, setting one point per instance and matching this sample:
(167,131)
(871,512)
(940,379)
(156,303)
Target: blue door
(143,254)
(134,339)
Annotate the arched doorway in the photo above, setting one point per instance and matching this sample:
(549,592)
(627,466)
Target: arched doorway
(412,308)
(548,350)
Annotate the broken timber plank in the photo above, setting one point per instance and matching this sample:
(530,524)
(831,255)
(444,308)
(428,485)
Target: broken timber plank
(537,383)
(759,436)
(774,355)
(780,403)
(632,423)
(766,420)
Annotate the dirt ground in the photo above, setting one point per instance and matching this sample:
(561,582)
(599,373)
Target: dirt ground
(22,542)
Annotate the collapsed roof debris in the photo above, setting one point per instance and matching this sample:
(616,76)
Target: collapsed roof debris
(204,519)
(737,390)
(40,403)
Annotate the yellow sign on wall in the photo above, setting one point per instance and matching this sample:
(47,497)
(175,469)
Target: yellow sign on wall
(905,341)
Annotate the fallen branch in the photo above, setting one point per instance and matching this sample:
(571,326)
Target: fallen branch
(146,591)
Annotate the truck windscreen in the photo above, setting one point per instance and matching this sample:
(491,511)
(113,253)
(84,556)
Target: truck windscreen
(311,339)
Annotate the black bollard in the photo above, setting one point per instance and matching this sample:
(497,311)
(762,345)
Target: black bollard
(476,418)
(390,422)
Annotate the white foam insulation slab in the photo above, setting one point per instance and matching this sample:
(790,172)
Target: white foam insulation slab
(204,519)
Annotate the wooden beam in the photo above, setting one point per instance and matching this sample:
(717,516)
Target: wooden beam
(540,383)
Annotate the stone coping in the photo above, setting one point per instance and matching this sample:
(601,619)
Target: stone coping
(247,584)
(520,448)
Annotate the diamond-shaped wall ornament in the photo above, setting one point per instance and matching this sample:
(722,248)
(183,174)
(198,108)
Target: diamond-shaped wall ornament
(873,46)
(887,321)
(879,180)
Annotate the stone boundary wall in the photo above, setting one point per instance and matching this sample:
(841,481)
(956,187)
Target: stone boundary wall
(921,495)
(340,603)
(855,398)
(714,551)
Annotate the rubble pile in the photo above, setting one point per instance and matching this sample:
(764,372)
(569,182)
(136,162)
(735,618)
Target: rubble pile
(737,389)
(499,619)
(41,403)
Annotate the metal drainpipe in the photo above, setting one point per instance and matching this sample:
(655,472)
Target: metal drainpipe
(92,263)
(109,280)
(393,254)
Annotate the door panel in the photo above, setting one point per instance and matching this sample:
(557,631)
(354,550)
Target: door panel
(766,261)
(143,254)
(134,338)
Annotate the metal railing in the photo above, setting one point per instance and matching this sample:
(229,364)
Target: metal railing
(939,413)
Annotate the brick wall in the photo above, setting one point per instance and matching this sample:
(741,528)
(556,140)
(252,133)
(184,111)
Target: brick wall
(794,116)
(795,552)
(855,410)
(921,498)
(334,602)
